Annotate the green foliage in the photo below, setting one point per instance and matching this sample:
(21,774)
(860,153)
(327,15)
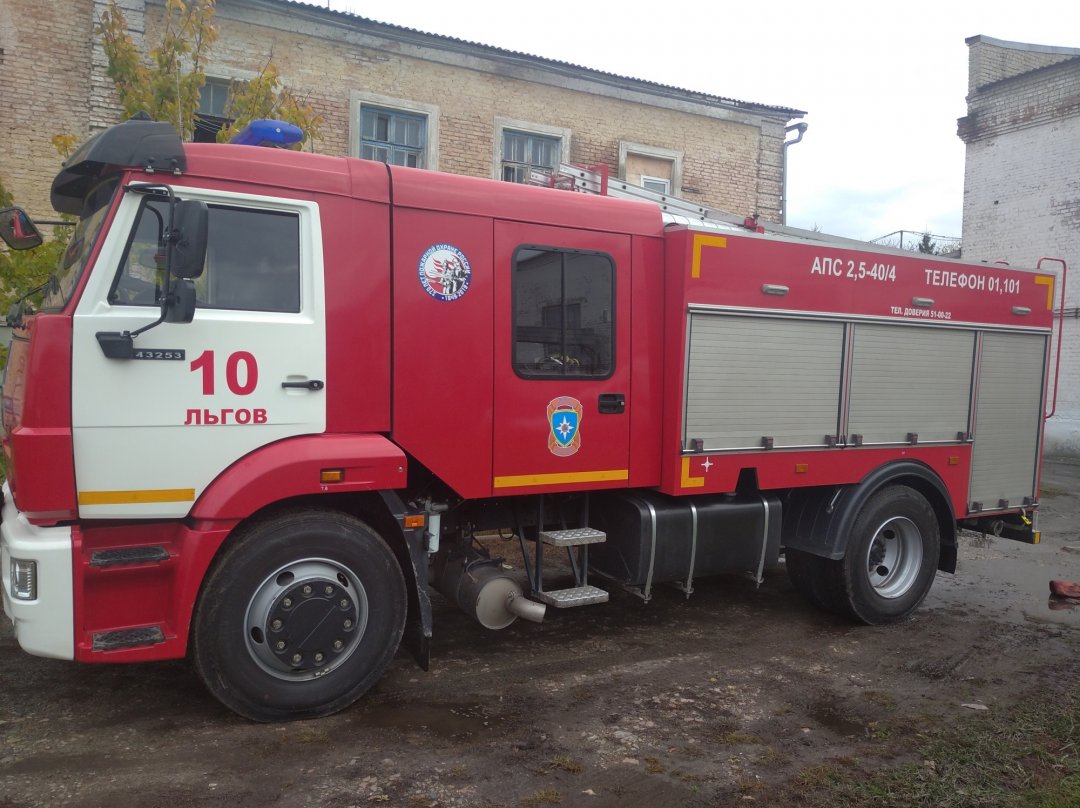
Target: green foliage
(926,245)
(167,86)
(22,270)
(265,97)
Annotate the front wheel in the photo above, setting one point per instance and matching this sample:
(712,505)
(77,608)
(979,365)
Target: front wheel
(299,617)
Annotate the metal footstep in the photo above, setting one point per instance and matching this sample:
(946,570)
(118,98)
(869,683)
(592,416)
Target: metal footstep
(575,596)
(573,537)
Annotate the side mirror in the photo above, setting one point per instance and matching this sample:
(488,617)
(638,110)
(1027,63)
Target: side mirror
(18,230)
(180,305)
(190,231)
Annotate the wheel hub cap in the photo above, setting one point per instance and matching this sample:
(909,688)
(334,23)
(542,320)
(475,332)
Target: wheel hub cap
(895,557)
(306,619)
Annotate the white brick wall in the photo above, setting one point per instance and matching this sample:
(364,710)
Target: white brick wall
(1022,183)
(1021,203)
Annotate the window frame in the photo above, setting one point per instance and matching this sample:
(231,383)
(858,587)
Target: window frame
(220,77)
(358,100)
(303,285)
(659,180)
(612,332)
(627,148)
(559,133)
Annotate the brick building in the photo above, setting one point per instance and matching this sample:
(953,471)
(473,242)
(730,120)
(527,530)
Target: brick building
(397,94)
(1022,181)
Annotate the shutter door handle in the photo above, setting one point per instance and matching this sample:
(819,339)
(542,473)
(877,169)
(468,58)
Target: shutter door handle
(310,384)
(612,403)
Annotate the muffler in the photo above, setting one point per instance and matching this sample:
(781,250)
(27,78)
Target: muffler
(481,589)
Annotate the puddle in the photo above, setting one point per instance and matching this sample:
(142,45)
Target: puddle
(829,717)
(1018,589)
(453,721)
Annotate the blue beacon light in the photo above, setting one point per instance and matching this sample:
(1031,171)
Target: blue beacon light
(277,134)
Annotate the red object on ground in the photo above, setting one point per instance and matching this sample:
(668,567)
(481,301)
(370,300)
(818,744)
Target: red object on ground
(1065,589)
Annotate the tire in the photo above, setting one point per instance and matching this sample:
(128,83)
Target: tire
(813,575)
(889,564)
(299,617)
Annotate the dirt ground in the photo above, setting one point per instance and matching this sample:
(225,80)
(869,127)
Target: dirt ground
(708,701)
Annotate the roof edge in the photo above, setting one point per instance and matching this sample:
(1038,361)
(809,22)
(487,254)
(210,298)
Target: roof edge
(1029,47)
(423,38)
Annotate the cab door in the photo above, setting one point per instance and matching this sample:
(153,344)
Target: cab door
(562,365)
(152,432)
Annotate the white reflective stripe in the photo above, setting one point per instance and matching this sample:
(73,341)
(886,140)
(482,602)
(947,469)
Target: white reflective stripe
(45,626)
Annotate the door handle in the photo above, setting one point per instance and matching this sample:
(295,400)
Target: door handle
(612,403)
(310,384)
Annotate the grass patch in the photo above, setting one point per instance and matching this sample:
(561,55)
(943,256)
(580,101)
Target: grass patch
(1026,755)
(566,764)
(880,699)
(545,796)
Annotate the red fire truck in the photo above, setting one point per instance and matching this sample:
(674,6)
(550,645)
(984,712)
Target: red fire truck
(269,397)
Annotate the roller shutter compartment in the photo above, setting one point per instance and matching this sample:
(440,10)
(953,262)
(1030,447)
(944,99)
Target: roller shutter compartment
(1008,419)
(751,377)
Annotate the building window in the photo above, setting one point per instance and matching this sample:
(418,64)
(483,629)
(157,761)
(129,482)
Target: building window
(394,137)
(563,322)
(394,130)
(524,152)
(522,148)
(651,167)
(211,119)
(658,184)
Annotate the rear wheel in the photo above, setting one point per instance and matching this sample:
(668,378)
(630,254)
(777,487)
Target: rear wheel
(299,617)
(892,556)
(890,563)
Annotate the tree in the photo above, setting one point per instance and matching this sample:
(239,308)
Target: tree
(23,270)
(167,84)
(167,88)
(926,245)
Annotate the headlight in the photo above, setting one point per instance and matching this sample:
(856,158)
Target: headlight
(23,579)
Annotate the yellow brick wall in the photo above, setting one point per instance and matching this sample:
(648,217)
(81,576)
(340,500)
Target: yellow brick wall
(730,164)
(44,72)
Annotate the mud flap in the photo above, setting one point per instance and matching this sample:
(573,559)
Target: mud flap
(819,520)
(414,564)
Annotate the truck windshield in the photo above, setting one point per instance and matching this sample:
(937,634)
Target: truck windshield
(73,261)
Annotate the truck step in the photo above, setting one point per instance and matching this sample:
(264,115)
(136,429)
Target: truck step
(128,638)
(128,555)
(573,537)
(575,596)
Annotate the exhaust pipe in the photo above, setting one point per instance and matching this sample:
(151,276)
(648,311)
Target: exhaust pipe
(526,609)
(484,591)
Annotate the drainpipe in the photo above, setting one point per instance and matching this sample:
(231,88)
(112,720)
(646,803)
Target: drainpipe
(801,128)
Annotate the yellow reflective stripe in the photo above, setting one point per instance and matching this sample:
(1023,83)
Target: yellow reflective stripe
(517,481)
(1048,282)
(136,497)
(701,241)
(687,481)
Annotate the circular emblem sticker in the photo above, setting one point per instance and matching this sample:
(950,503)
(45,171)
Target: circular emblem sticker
(445,272)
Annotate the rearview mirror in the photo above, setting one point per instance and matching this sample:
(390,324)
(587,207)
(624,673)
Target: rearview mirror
(190,229)
(180,305)
(18,230)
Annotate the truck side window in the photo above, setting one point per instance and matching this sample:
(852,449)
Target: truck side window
(563,314)
(252,261)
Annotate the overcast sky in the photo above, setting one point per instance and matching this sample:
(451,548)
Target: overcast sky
(882,84)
